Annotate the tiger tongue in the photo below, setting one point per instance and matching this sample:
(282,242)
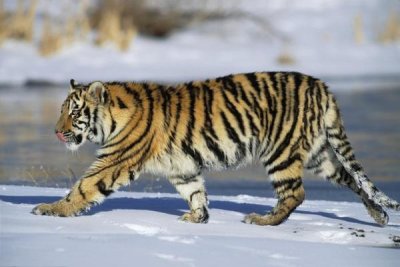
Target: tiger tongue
(61,137)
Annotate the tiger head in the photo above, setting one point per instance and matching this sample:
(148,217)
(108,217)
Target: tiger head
(81,114)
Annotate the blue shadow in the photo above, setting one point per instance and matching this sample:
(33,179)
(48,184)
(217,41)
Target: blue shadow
(173,206)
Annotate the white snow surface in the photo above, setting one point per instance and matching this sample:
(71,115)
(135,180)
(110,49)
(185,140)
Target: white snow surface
(142,229)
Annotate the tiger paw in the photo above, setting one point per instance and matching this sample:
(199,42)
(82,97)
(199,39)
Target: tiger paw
(195,217)
(258,219)
(53,209)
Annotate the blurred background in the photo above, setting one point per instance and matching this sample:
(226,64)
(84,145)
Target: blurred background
(354,45)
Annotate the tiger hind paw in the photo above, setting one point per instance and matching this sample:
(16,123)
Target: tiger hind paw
(197,216)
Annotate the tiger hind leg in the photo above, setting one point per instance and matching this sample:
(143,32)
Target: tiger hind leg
(289,190)
(325,164)
(191,188)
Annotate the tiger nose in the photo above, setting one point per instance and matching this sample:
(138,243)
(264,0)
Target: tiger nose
(60,136)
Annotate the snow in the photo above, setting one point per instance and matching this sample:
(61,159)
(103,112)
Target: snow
(143,229)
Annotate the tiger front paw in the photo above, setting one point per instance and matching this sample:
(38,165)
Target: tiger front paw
(197,216)
(54,209)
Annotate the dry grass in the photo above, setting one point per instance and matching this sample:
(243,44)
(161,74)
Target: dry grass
(111,21)
(285,58)
(51,40)
(3,23)
(358,29)
(112,27)
(391,31)
(18,24)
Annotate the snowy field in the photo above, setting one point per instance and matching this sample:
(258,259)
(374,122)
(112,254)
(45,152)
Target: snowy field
(142,229)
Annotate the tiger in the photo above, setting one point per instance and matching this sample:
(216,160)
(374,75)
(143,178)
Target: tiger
(288,122)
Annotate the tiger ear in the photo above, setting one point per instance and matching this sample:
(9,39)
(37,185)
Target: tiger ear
(98,92)
(72,85)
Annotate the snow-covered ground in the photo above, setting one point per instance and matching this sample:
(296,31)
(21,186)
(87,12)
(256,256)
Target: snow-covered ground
(142,229)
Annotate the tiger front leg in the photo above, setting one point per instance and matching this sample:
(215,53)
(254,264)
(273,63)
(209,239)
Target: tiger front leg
(191,188)
(89,190)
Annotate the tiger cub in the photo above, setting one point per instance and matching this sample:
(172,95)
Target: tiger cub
(286,121)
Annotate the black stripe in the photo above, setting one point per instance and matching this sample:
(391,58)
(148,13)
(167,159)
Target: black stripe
(232,109)
(346,151)
(214,148)
(177,119)
(166,106)
(306,122)
(102,133)
(282,89)
(285,164)
(335,174)
(105,96)
(185,179)
(131,91)
(272,110)
(132,176)
(233,135)
(321,149)
(206,216)
(273,79)
(192,120)
(113,126)
(243,94)
(194,193)
(95,116)
(285,183)
(78,138)
(101,186)
(288,96)
(81,191)
(115,176)
(121,103)
(77,126)
(229,85)
(145,153)
(356,167)
(86,112)
(187,149)
(257,108)
(188,177)
(267,94)
(344,143)
(296,185)
(252,78)
(254,129)
(208,98)
(319,104)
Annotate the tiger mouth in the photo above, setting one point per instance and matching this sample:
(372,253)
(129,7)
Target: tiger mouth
(69,138)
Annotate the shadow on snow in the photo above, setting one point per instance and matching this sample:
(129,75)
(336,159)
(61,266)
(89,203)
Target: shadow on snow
(173,206)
